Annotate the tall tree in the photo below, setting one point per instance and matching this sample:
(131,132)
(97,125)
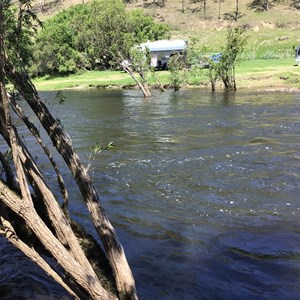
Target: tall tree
(224,68)
(24,193)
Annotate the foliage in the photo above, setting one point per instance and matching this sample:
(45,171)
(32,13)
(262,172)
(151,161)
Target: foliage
(260,5)
(96,150)
(144,28)
(225,67)
(104,33)
(176,65)
(18,32)
(219,65)
(56,43)
(91,36)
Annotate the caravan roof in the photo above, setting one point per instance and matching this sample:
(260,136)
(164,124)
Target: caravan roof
(165,45)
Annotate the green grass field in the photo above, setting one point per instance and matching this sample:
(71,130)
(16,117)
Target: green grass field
(249,73)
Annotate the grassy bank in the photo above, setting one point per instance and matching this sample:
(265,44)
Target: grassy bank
(268,57)
(259,73)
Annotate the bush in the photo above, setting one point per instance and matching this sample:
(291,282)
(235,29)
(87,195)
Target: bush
(91,36)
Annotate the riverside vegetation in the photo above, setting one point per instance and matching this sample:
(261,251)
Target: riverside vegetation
(266,60)
(32,217)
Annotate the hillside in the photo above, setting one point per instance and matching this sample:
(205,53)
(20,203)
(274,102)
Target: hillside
(187,16)
(271,34)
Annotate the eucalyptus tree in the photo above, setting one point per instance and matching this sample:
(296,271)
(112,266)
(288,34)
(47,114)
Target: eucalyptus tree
(25,197)
(223,67)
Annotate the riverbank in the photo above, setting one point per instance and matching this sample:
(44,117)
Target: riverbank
(257,74)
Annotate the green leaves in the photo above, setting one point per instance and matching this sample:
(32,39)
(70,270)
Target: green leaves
(97,149)
(91,36)
(144,27)
(18,27)
(225,68)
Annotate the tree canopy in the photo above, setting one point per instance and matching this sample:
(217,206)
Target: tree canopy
(91,36)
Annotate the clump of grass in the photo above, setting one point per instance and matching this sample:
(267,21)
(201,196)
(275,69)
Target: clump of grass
(291,78)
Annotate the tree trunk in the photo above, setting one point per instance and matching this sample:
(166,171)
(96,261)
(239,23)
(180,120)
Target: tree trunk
(25,210)
(236,10)
(10,234)
(61,141)
(58,238)
(144,88)
(267,5)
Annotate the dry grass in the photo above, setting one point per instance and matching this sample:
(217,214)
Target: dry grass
(192,20)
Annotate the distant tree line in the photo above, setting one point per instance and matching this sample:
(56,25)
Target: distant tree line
(91,36)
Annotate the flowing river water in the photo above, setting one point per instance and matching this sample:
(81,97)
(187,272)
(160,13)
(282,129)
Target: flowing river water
(203,190)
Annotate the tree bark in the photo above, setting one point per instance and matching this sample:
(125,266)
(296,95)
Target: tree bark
(36,134)
(142,87)
(64,247)
(25,210)
(11,236)
(85,275)
(61,141)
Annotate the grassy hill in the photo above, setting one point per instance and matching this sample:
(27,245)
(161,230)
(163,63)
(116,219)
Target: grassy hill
(271,34)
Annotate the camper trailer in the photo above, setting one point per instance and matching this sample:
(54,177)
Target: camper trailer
(297,56)
(161,51)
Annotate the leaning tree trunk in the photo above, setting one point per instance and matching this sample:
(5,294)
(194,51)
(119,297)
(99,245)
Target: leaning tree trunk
(143,85)
(64,247)
(24,193)
(61,141)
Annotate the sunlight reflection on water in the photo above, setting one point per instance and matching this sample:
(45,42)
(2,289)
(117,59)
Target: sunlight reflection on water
(202,188)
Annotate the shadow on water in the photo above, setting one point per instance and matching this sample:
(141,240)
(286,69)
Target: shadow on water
(202,188)
(21,279)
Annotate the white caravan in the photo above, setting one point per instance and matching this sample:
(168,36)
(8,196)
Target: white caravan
(161,51)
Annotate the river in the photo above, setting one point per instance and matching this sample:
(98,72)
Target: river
(203,190)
